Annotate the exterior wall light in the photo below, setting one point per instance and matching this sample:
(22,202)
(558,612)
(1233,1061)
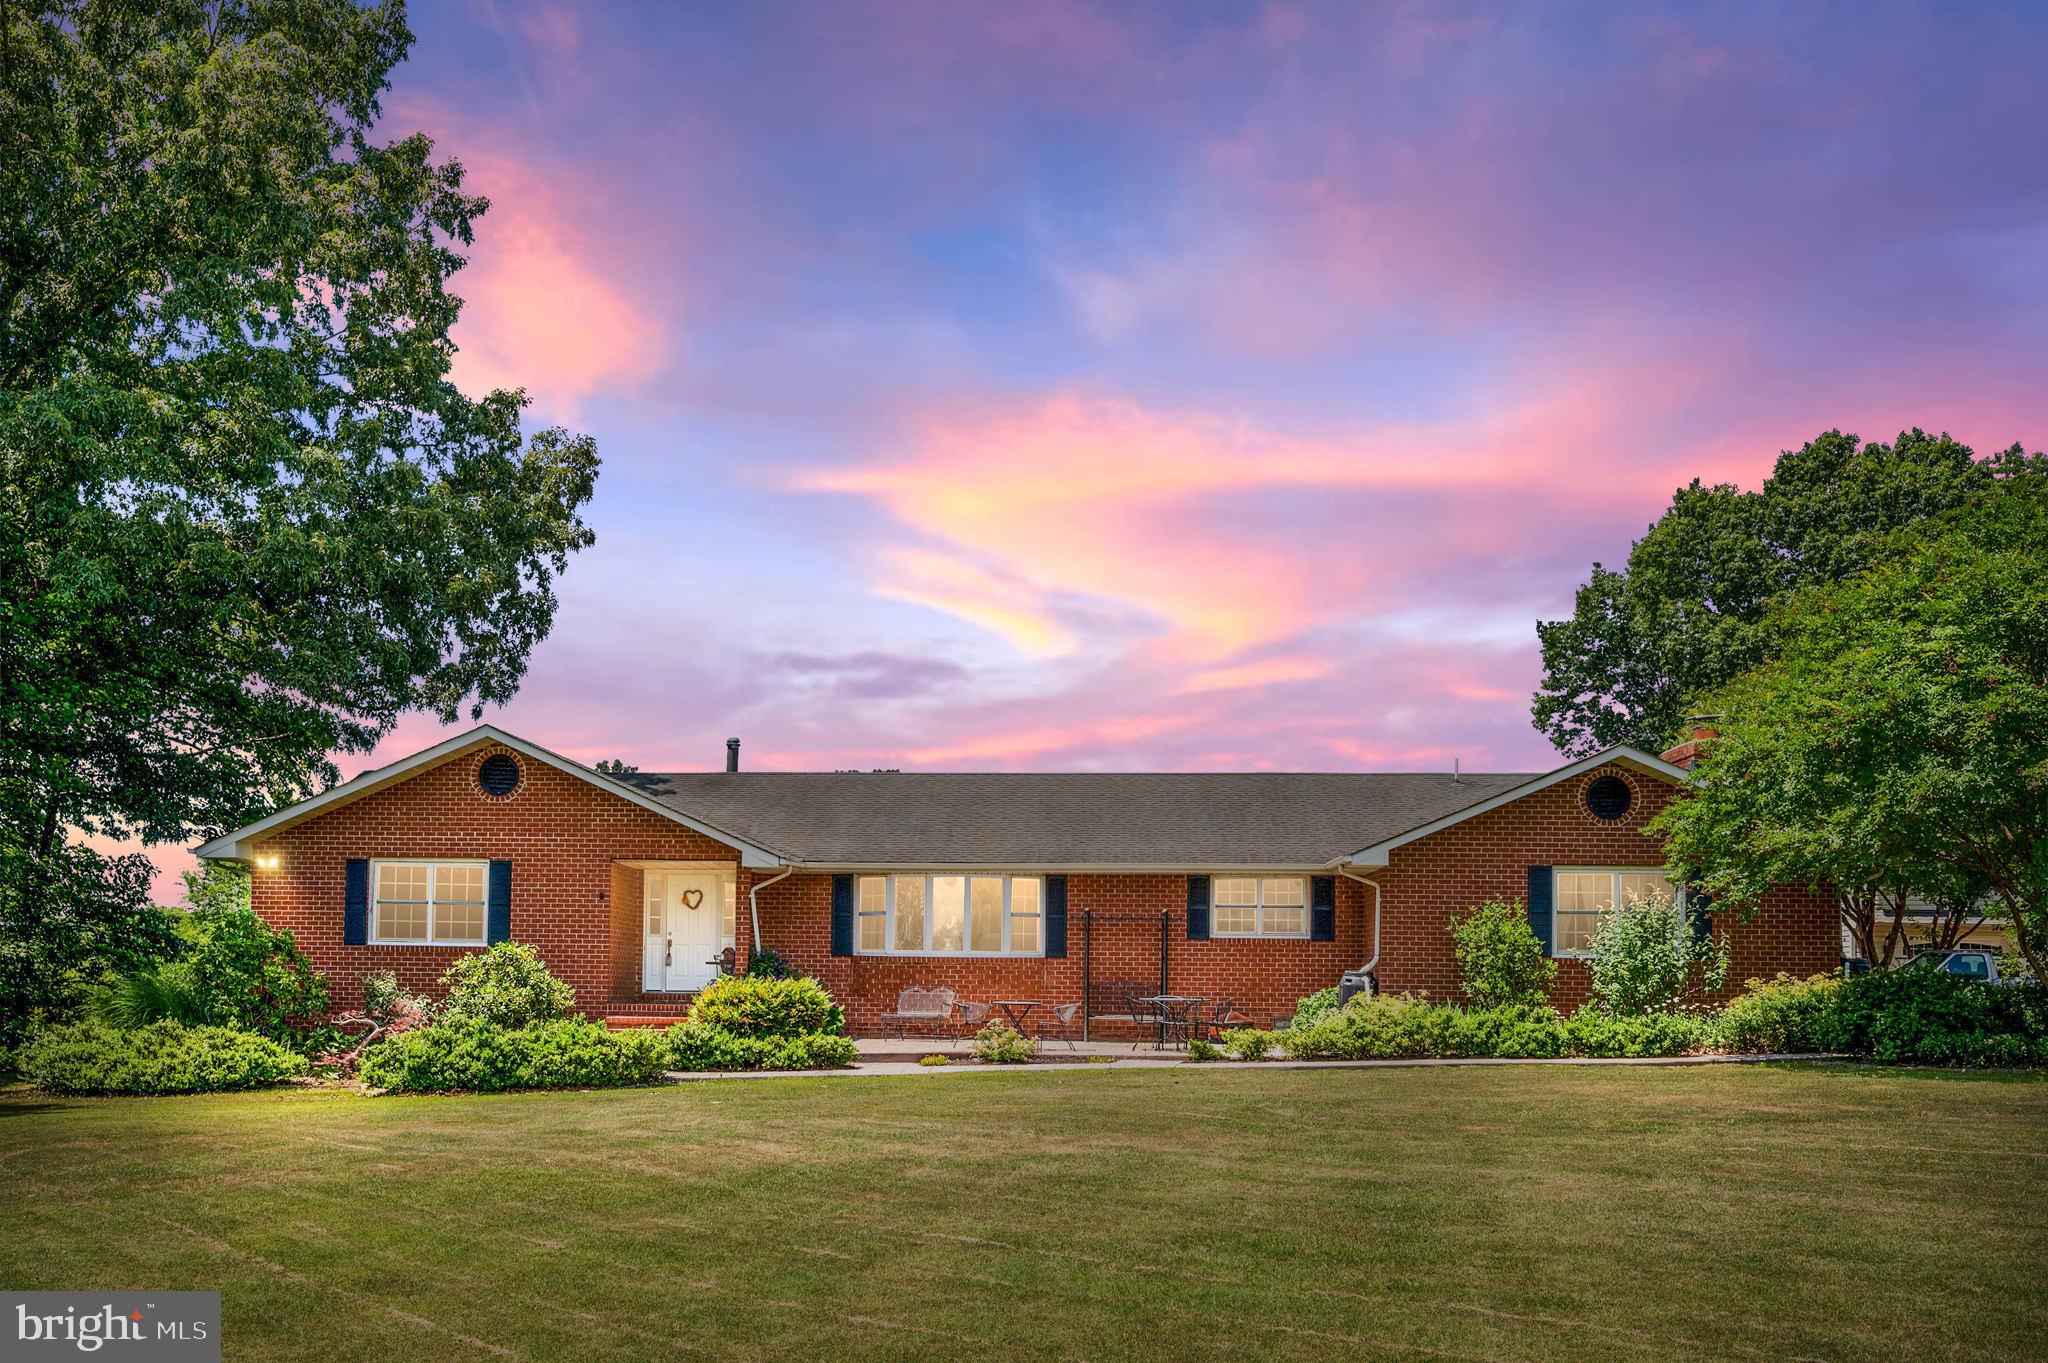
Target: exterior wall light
(268,861)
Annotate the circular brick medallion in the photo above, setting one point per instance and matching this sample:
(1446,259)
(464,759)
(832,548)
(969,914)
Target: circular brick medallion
(499,776)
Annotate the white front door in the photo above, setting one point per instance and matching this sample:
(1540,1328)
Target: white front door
(686,913)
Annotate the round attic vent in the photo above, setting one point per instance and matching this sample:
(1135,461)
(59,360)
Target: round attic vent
(498,775)
(1609,798)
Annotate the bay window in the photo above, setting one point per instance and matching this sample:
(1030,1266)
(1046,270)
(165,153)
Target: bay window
(951,914)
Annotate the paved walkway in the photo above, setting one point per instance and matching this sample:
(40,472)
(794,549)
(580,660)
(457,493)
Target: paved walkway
(1125,1059)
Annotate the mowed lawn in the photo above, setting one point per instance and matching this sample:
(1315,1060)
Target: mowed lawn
(1802,1212)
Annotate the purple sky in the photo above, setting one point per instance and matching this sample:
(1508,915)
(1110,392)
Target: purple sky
(1194,386)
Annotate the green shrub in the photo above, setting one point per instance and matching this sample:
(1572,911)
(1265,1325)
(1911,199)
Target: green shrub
(250,975)
(1202,1050)
(1518,1031)
(470,1053)
(932,1060)
(2005,1051)
(1501,961)
(1411,1028)
(768,1006)
(232,970)
(569,1053)
(999,1043)
(1316,1005)
(1896,1015)
(702,1046)
(165,994)
(1247,1043)
(1777,1017)
(164,1057)
(1646,959)
(1592,1033)
(768,964)
(509,986)
(1373,1028)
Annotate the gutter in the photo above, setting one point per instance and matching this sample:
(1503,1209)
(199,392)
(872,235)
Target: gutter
(1368,967)
(754,901)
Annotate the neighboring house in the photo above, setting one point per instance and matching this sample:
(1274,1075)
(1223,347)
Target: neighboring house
(1259,887)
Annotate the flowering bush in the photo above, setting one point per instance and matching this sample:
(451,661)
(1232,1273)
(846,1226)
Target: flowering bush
(1001,1044)
(1646,960)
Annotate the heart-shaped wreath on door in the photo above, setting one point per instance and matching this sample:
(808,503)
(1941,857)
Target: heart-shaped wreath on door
(693,899)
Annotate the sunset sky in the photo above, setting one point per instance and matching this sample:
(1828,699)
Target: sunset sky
(1046,385)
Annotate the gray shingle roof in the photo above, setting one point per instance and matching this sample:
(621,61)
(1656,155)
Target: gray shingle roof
(1080,819)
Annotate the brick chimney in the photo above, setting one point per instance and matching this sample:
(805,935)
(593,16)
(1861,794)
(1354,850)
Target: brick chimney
(1687,754)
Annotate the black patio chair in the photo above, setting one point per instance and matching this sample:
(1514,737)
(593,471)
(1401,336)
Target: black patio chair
(1216,1021)
(1148,1015)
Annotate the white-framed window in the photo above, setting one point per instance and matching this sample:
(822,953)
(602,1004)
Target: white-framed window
(1584,897)
(1258,906)
(428,903)
(929,913)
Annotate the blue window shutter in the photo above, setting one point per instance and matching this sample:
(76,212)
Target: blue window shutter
(1055,915)
(499,903)
(355,903)
(1322,908)
(1699,908)
(1540,889)
(842,915)
(1198,908)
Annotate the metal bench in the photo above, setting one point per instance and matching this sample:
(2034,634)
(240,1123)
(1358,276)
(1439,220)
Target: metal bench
(924,1008)
(1110,1000)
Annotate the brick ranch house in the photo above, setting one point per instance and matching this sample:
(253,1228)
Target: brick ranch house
(1257,887)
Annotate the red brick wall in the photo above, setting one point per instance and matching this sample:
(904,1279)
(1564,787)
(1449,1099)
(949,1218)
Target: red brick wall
(560,833)
(563,835)
(1425,884)
(1264,976)
(1488,856)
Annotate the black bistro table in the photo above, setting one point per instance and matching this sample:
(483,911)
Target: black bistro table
(1176,1018)
(1018,1011)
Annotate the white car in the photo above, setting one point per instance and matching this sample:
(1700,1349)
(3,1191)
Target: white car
(1969,963)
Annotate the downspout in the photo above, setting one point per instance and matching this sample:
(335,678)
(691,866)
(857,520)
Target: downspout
(754,901)
(1369,966)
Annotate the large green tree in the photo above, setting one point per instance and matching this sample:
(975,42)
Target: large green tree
(246,521)
(1685,614)
(1897,740)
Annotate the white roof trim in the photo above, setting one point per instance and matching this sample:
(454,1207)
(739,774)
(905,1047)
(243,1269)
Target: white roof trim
(1376,855)
(235,846)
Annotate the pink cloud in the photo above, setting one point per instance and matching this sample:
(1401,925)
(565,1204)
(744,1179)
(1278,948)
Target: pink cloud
(1247,676)
(1042,742)
(1015,517)
(539,311)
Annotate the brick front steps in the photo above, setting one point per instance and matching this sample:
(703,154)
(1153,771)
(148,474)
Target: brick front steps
(663,1010)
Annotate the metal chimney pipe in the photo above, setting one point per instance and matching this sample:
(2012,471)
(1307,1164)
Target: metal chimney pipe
(732,754)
